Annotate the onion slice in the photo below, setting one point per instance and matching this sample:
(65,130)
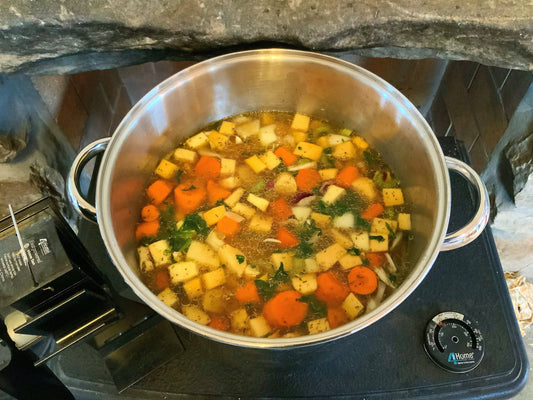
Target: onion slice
(294,168)
(236,217)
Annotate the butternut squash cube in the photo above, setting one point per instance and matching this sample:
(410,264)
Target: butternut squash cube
(365,187)
(195,314)
(256,164)
(214,278)
(360,142)
(352,306)
(318,326)
(182,271)
(328,173)
(323,141)
(226,127)
(213,215)
(166,169)
(270,160)
(168,297)
(261,223)
(379,225)
(300,122)
(348,261)
(259,326)
(378,242)
(299,136)
(308,150)
(344,151)
(193,288)
(404,221)
(213,300)
(329,256)
(321,220)
(217,141)
(392,197)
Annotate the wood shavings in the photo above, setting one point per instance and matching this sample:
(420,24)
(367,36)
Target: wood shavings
(521,293)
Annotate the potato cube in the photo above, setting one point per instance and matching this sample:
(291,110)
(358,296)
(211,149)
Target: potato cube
(285,184)
(228,256)
(345,221)
(318,325)
(248,129)
(360,142)
(282,258)
(352,306)
(226,127)
(193,288)
(196,314)
(323,141)
(213,215)
(392,197)
(168,297)
(267,134)
(335,140)
(365,187)
(305,284)
(197,141)
(300,122)
(231,182)
(239,320)
(348,261)
(360,240)
(261,223)
(344,151)
(342,239)
(328,173)
(213,300)
(308,150)
(244,210)
(329,256)
(215,239)
(203,255)
(378,242)
(333,193)
(161,253)
(182,271)
(257,201)
(299,136)
(166,169)
(214,278)
(311,266)
(301,213)
(270,160)
(259,326)
(382,226)
(217,141)
(252,271)
(321,220)
(184,155)
(234,197)
(145,261)
(227,167)
(404,221)
(256,164)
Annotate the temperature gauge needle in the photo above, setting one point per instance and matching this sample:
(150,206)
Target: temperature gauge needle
(22,250)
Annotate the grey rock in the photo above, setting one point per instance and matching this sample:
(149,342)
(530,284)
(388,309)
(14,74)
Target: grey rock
(520,156)
(10,146)
(52,36)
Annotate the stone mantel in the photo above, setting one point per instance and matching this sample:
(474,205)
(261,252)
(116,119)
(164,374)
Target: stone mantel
(60,36)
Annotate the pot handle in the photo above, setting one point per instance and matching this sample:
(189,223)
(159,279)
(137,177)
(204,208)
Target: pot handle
(473,228)
(80,204)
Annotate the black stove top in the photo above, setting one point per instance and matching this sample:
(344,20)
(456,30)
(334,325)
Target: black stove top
(385,360)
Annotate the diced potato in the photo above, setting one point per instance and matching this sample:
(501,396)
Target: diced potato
(360,240)
(227,167)
(404,221)
(197,141)
(195,314)
(226,127)
(168,297)
(318,325)
(160,252)
(360,142)
(259,326)
(214,278)
(345,221)
(329,256)
(333,194)
(193,288)
(365,187)
(352,306)
(285,184)
(231,182)
(239,320)
(267,119)
(335,140)
(328,173)
(308,150)
(311,266)
(166,169)
(342,239)
(203,255)
(145,260)
(321,220)
(213,215)
(185,155)
(244,210)
(257,201)
(299,136)
(301,213)
(256,164)
(379,225)
(378,242)
(344,151)
(300,122)
(348,261)
(215,239)
(270,160)
(323,141)
(305,284)
(261,223)
(248,129)
(252,271)
(282,258)
(213,300)
(228,256)
(392,197)
(234,197)
(182,271)
(267,134)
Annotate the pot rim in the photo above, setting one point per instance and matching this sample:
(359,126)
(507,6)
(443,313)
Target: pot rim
(416,276)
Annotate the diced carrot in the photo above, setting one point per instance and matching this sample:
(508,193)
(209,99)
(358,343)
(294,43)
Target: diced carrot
(208,167)
(228,226)
(285,309)
(286,155)
(281,210)
(346,176)
(159,190)
(336,317)
(330,290)
(375,259)
(362,280)
(162,279)
(286,238)
(218,323)
(189,197)
(247,293)
(149,213)
(147,229)
(215,192)
(307,179)
(372,211)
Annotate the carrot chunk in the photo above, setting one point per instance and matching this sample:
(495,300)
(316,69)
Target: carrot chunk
(208,167)
(346,176)
(375,259)
(162,279)
(330,290)
(158,191)
(372,211)
(189,197)
(307,179)
(286,155)
(281,210)
(147,229)
(215,192)
(336,317)
(285,309)
(247,293)
(149,213)
(228,226)
(286,238)
(362,280)
(218,323)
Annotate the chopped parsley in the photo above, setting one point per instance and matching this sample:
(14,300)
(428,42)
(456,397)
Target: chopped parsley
(379,238)
(267,288)
(354,251)
(317,309)
(180,238)
(240,258)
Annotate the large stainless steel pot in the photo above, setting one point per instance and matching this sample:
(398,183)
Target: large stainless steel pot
(283,80)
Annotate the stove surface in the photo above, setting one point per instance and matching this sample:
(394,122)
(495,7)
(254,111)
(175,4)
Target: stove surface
(384,360)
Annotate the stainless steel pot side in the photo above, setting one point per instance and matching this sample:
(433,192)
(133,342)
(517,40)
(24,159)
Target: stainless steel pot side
(282,80)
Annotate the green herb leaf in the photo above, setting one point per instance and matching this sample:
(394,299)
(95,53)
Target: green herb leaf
(281,275)
(265,288)
(391,232)
(362,223)
(195,223)
(240,258)
(379,238)
(354,251)
(179,173)
(192,187)
(317,309)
